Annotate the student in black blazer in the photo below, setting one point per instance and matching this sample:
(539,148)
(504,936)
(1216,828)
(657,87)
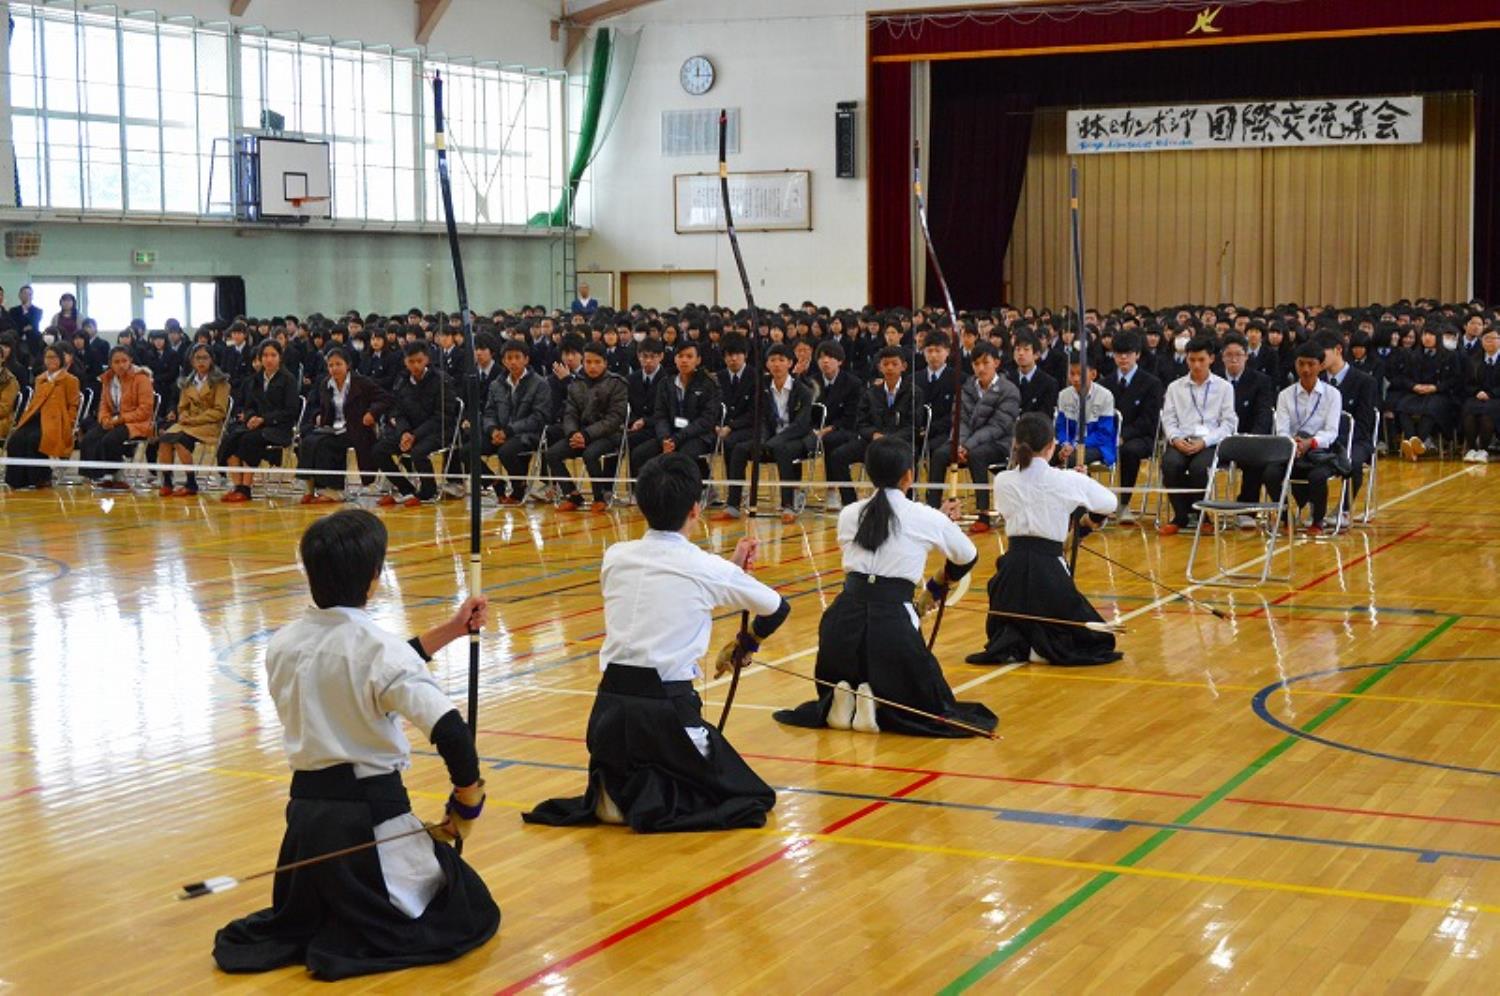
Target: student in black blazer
(737,392)
(266,420)
(935,382)
(1038,388)
(644,381)
(685,412)
(885,409)
(1254,405)
(1138,397)
(1360,397)
(837,390)
(346,411)
(784,437)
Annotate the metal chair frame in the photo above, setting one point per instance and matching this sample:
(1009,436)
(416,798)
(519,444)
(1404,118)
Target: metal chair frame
(1270,513)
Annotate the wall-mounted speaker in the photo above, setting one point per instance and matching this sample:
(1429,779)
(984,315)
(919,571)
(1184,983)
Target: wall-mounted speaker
(846,151)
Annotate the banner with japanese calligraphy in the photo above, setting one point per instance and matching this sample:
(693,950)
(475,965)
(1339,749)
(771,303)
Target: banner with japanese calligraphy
(1247,125)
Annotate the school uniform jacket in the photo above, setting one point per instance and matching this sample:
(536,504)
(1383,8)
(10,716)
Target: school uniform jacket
(522,410)
(737,395)
(643,393)
(1038,394)
(1484,377)
(382,366)
(201,412)
(877,414)
(700,406)
(841,398)
(1360,396)
(1440,367)
(938,395)
(1254,401)
(136,401)
(596,408)
(798,426)
(428,406)
(1138,404)
(364,397)
(10,388)
(989,415)
(278,404)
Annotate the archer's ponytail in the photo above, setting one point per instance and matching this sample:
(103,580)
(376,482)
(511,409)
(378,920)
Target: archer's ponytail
(886,461)
(1033,435)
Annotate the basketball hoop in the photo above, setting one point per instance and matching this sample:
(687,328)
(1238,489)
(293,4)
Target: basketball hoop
(297,202)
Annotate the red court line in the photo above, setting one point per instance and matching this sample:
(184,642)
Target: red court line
(1086,786)
(1279,599)
(17,794)
(692,899)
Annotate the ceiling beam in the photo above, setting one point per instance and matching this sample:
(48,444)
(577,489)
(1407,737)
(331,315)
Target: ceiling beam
(237,8)
(590,16)
(429,13)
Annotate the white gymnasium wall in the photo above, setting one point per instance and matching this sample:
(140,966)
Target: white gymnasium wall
(786,64)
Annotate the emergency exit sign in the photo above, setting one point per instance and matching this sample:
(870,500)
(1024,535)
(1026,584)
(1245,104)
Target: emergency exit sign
(143,257)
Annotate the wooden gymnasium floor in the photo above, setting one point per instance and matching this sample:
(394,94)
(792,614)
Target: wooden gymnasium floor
(1304,798)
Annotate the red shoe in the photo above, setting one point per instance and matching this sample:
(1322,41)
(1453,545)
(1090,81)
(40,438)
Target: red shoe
(1168,529)
(307,499)
(599,506)
(166,491)
(387,501)
(1208,527)
(979,527)
(1316,529)
(321,500)
(413,502)
(569,506)
(508,501)
(183,491)
(235,498)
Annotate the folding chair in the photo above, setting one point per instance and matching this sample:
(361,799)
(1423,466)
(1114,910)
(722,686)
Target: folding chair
(22,397)
(1371,505)
(1155,481)
(85,404)
(1346,443)
(135,448)
(205,456)
(287,453)
(820,417)
(439,457)
(1258,451)
(619,494)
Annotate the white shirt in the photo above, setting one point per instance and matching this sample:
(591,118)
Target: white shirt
(660,593)
(918,529)
(1315,413)
(340,682)
(1039,501)
(781,397)
(339,396)
(1205,410)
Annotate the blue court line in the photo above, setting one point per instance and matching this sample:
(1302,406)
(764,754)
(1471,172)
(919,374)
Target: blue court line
(1258,704)
(1068,821)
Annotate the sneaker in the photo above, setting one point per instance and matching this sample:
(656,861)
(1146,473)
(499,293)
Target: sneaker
(1168,529)
(841,712)
(728,514)
(509,501)
(1245,521)
(788,517)
(235,498)
(1207,526)
(1409,448)
(599,506)
(166,491)
(1316,529)
(864,710)
(1127,515)
(414,501)
(387,501)
(1481,456)
(306,499)
(1468,456)
(833,501)
(980,526)
(570,505)
(183,491)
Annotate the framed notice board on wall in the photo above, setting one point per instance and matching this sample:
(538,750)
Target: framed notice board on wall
(765,201)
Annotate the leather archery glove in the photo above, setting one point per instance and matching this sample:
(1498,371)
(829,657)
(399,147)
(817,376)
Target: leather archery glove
(931,595)
(458,818)
(735,654)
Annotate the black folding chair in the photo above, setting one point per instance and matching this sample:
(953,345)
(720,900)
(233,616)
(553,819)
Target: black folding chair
(1255,451)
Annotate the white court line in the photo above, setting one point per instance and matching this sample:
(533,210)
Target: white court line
(1167,599)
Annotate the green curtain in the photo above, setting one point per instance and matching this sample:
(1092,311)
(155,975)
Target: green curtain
(593,101)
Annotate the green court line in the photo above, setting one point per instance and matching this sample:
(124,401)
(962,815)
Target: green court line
(1019,942)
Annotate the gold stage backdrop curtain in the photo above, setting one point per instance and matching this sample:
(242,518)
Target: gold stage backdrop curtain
(1340,224)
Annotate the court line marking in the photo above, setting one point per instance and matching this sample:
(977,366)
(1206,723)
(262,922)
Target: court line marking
(1115,870)
(552,969)
(1022,939)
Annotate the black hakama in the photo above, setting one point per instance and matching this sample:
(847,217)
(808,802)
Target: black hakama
(1031,578)
(337,917)
(867,636)
(639,750)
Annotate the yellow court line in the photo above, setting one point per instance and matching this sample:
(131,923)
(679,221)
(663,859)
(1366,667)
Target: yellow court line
(1455,905)
(1217,686)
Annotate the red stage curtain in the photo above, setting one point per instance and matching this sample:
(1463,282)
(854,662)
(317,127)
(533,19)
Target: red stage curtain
(980,136)
(890,186)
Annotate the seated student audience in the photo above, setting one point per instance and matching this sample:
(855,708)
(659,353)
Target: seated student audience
(686,410)
(423,410)
(516,411)
(1308,411)
(1359,394)
(592,426)
(737,391)
(1099,427)
(126,405)
(1429,380)
(196,420)
(1254,407)
(991,406)
(10,394)
(886,408)
(46,427)
(264,422)
(936,386)
(1138,400)
(785,435)
(346,411)
(1197,415)
(1481,408)
(1038,389)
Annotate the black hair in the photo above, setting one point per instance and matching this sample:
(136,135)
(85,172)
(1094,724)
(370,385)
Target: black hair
(270,344)
(687,344)
(1329,339)
(830,348)
(343,554)
(886,461)
(668,488)
(121,350)
(515,346)
(1202,344)
(1033,434)
(487,340)
(1234,339)
(983,348)
(343,353)
(886,352)
(734,342)
(414,347)
(1127,342)
(937,337)
(650,346)
(595,349)
(779,349)
(1310,351)
(1026,337)
(572,342)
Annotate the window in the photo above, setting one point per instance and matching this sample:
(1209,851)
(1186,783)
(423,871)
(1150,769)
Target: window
(47,295)
(131,113)
(108,303)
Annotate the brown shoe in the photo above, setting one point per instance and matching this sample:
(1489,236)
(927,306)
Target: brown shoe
(1168,529)
(569,506)
(599,506)
(317,499)
(788,517)
(1208,526)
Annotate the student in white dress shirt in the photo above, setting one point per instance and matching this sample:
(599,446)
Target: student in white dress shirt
(1037,503)
(341,686)
(1308,411)
(870,638)
(1196,417)
(653,763)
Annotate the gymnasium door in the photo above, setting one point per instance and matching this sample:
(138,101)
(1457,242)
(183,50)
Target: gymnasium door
(668,288)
